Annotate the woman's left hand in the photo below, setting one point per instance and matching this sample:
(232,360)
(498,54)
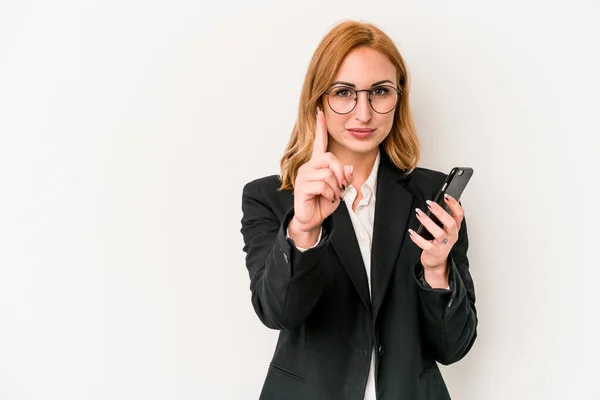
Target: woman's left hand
(435,252)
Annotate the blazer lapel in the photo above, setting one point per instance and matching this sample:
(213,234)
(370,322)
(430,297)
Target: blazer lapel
(343,241)
(393,205)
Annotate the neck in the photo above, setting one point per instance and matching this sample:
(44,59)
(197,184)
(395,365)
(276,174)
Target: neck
(362,162)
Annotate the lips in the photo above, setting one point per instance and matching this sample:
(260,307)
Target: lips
(361,133)
(361,130)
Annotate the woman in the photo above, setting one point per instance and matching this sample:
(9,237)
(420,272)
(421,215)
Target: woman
(364,305)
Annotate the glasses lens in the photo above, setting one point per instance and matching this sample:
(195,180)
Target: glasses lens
(384,99)
(342,99)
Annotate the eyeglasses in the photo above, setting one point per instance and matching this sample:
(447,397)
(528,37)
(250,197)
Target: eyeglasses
(383,99)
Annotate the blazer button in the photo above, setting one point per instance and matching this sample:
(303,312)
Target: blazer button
(381,350)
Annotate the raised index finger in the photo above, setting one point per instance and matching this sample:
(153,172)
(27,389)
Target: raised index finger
(320,144)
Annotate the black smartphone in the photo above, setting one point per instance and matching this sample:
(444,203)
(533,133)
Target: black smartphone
(454,185)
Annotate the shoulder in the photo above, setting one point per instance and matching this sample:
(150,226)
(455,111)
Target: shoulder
(265,191)
(266,186)
(426,175)
(427,180)
(421,180)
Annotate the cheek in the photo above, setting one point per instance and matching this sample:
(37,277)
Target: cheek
(386,122)
(336,123)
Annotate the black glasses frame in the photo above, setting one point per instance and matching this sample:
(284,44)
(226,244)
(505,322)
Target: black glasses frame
(398,94)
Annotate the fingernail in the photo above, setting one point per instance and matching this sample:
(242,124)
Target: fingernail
(351,169)
(419,212)
(429,203)
(410,231)
(446,196)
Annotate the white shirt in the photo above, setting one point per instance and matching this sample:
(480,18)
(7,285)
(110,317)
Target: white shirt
(362,221)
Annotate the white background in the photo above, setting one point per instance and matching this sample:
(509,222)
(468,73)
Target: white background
(128,129)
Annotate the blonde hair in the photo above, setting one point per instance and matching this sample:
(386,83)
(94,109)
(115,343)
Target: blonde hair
(401,145)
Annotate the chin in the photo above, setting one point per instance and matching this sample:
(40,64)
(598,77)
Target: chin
(363,147)
(359,146)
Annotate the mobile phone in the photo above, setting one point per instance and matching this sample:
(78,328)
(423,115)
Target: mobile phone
(454,185)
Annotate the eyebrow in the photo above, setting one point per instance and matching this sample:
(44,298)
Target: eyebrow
(354,86)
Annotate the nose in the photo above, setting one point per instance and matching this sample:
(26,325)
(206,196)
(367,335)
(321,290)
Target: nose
(362,111)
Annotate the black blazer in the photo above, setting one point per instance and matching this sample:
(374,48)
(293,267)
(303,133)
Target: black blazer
(319,299)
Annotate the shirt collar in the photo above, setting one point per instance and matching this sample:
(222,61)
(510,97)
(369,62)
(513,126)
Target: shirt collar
(369,188)
(371,181)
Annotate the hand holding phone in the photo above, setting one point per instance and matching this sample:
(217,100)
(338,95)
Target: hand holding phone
(454,185)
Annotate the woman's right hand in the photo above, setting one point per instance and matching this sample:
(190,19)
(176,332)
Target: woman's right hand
(319,185)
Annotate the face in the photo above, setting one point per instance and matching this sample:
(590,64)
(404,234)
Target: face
(362,129)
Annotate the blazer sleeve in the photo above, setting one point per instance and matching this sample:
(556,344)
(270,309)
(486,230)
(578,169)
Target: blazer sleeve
(449,316)
(285,282)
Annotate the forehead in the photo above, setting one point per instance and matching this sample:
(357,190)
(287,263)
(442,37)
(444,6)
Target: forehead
(363,66)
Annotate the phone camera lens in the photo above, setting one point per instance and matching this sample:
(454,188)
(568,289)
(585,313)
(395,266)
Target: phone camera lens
(460,172)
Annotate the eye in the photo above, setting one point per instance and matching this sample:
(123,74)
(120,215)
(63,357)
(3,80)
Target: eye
(380,91)
(343,93)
